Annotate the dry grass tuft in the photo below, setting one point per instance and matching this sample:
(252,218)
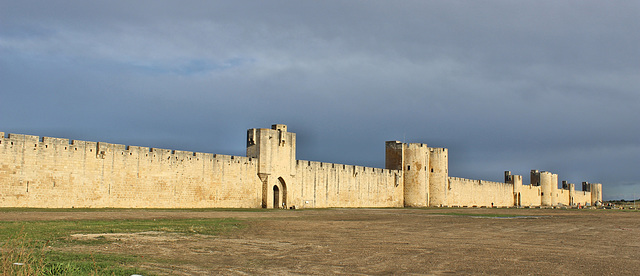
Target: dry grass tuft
(19,257)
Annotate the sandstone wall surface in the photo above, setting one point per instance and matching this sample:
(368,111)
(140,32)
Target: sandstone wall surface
(467,192)
(320,185)
(51,172)
(583,198)
(416,176)
(58,173)
(438,172)
(530,195)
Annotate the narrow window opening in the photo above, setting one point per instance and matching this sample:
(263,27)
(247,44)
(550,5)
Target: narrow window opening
(431,169)
(408,168)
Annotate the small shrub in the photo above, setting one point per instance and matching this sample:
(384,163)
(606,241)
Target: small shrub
(60,269)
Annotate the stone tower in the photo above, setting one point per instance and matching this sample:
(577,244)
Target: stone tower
(548,183)
(438,176)
(425,172)
(516,180)
(572,191)
(596,192)
(275,150)
(413,160)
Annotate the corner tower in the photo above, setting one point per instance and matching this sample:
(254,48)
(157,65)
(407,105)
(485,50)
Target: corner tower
(275,150)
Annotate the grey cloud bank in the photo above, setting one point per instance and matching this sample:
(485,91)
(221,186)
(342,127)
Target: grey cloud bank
(549,85)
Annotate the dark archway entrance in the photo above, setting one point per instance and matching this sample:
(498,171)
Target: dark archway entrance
(276,196)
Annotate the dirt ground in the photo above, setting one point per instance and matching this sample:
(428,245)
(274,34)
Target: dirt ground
(384,241)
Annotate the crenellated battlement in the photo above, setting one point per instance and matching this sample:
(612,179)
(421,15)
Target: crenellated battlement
(56,172)
(316,165)
(102,149)
(231,159)
(477,182)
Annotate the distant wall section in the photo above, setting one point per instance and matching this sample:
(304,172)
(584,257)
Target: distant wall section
(479,193)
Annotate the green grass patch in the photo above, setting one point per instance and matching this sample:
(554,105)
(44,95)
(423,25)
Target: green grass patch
(59,230)
(20,256)
(63,263)
(484,215)
(177,210)
(29,247)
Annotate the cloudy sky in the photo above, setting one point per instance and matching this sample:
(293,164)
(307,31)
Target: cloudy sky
(505,85)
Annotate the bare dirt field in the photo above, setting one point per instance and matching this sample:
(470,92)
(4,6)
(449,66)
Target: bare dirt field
(381,241)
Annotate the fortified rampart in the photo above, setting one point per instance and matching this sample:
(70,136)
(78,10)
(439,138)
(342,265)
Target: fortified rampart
(52,172)
(322,184)
(58,173)
(469,193)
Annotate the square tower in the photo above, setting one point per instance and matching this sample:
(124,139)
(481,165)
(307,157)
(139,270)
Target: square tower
(275,150)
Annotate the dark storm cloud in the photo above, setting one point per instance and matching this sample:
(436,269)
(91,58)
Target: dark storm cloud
(548,85)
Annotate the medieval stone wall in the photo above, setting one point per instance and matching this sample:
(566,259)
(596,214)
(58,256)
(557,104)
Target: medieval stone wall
(58,173)
(530,195)
(480,193)
(320,185)
(583,198)
(51,172)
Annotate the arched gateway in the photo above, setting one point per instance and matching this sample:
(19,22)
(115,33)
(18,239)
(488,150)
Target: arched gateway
(275,152)
(280,194)
(276,196)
